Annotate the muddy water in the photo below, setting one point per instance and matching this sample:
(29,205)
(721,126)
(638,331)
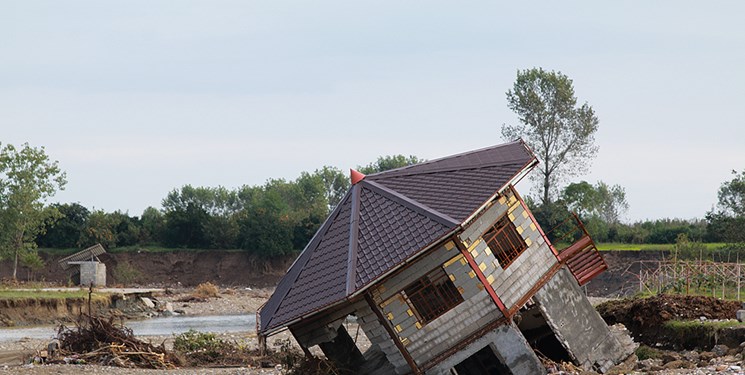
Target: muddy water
(151,327)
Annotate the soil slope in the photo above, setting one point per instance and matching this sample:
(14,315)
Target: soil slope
(168,269)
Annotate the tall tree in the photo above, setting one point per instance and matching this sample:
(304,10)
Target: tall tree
(732,195)
(561,133)
(27,179)
(606,202)
(728,218)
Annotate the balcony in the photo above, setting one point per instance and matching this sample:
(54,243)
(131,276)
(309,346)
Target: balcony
(581,255)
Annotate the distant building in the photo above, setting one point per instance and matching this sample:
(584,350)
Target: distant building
(87,268)
(446,271)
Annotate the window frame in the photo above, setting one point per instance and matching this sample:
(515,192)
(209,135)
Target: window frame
(436,283)
(505,242)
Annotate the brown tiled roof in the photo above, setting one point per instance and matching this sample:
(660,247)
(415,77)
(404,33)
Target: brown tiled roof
(385,219)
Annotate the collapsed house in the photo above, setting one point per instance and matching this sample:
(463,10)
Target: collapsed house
(446,271)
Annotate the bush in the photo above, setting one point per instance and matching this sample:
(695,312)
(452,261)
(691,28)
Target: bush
(645,352)
(125,273)
(206,290)
(192,341)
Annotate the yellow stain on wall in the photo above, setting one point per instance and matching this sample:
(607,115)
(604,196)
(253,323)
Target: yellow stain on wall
(461,290)
(525,214)
(474,253)
(533,227)
(487,251)
(452,277)
(512,217)
(482,266)
(490,279)
(502,200)
(411,313)
(519,230)
(389,316)
(463,261)
(453,260)
(472,274)
(398,328)
(449,246)
(405,341)
(418,325)
(528,241)
(474,244)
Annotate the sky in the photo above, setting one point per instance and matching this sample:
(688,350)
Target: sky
(137,98)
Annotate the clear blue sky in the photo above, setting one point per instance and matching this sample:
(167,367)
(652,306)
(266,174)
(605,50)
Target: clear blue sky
(135,98)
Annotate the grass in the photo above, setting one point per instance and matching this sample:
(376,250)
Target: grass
(15,294)
(650,246)
(692,324)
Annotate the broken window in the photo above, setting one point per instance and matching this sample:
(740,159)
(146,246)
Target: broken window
(432,295)
(504,241)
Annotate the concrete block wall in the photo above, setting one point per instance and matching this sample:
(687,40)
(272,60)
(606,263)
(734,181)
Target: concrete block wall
(379,337)
(422,340)
(92,273)
(577,325)
(509,346)
(523,273)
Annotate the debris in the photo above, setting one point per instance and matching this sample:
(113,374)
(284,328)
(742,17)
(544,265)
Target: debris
(100,341)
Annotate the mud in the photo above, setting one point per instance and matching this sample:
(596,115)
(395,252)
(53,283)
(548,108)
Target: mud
(646,317)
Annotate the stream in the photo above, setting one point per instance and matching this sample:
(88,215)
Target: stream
(151,327)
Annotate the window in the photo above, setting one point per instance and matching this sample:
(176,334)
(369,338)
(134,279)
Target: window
(432,295)
(504,241)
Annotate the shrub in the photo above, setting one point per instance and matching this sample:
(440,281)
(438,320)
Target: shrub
(206,290)
(125,273)
(645,352)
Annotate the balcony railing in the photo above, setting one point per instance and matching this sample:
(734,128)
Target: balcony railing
(581,255)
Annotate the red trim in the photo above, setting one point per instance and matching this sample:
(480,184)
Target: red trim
(355,176)
(481,277)
(525,207)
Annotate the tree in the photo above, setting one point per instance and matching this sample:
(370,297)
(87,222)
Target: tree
(335,184)
(732,196)
(561,133)
(27,179)
(726,221)
(603,201)
(65,232)
(384,163)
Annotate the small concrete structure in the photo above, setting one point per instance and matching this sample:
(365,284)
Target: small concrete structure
(92,273)
(90,268)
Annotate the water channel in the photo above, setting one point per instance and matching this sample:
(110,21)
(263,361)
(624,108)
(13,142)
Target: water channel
(151,327)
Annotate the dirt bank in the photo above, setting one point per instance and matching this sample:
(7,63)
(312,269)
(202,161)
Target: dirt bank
(169,269)
(646,319)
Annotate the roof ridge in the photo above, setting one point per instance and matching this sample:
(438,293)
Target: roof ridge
(446,169)
(354,222)
(411,203)
(293,272)
(396,171)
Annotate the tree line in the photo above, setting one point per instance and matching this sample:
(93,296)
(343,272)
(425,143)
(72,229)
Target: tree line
(271,220)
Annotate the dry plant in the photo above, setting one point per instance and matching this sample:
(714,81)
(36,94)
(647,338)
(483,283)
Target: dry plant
(206,290)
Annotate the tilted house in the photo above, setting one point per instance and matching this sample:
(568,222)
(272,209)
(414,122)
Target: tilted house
(446,271)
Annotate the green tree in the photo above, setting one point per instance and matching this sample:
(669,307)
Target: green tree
(388,162)
(732,196)
(561,133)
(606,202)
(65,232)
(335,184)
(100,228)
(725,222)
(27,179)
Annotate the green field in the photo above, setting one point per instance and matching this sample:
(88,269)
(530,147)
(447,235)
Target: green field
(16,294)
(655,247)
